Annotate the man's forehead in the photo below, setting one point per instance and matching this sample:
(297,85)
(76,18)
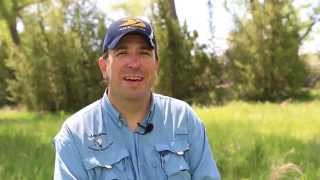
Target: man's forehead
(133,40)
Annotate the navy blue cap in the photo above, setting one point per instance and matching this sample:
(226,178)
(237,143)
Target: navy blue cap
(124,26)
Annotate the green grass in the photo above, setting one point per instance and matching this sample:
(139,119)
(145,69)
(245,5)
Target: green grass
(26,151)
(250,141)
(264,140)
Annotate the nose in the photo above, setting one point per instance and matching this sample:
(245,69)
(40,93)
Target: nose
(134,62)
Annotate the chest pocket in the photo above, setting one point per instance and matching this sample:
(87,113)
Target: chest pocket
(107,164)
(172,160)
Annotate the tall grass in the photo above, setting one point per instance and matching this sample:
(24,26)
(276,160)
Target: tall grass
(264,140)
(25,144)
(250,141)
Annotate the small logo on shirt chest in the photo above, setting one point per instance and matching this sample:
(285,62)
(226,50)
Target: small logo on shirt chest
(97,142)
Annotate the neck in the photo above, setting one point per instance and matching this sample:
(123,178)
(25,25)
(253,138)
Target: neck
(133,110)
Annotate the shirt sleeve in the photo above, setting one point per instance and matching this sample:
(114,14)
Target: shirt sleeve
(202,164)
(68,164)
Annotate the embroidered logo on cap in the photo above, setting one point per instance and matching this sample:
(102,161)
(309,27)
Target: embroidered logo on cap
(134,23)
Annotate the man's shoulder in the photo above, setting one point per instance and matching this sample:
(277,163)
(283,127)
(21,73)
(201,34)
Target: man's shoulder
(84,116)
(79,125)
(176,107)
(167,100)
(173,107)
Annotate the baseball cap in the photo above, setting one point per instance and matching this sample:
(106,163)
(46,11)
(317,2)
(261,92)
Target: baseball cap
(124,26)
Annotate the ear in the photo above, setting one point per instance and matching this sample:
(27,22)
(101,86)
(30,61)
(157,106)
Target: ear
(103,67)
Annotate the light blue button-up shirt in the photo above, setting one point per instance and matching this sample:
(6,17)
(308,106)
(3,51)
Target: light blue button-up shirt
(95,143)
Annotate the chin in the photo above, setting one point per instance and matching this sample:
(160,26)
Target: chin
(137,95)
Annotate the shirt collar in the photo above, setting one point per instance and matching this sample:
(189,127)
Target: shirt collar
(148,118)
(115,114)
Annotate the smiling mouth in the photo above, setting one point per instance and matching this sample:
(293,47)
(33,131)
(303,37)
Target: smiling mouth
(133,78)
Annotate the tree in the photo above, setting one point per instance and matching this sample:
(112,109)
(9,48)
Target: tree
(4,74)
(264,60)
(186,71)
(134,7)
(55,66)
(10,11)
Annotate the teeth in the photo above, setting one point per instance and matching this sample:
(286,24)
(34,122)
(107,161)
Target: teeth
(133,78)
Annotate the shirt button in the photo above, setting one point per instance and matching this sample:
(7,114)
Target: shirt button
(108,166)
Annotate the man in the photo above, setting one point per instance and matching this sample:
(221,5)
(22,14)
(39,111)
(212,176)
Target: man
(132,133)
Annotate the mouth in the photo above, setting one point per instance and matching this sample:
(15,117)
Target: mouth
(133,78)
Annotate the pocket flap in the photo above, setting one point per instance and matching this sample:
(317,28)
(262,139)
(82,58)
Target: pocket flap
(106,158)
(172,159)
(177,147)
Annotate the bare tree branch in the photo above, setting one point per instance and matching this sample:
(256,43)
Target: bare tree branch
(309,29)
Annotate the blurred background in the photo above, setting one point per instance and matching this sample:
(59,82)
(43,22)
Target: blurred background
(251,69)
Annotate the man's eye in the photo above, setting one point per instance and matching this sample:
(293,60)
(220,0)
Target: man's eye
(121,53)
(146,53)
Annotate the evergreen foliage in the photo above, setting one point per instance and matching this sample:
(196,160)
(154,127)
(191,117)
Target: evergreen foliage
(263,55)
(186,71)
(55,65)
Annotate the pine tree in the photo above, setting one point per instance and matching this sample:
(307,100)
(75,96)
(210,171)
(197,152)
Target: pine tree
(264,60)
(186,71)
(55,66)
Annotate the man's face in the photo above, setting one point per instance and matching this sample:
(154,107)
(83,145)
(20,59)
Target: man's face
(130,68)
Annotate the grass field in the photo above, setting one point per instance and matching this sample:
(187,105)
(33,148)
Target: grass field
(250,141)
(265,141)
